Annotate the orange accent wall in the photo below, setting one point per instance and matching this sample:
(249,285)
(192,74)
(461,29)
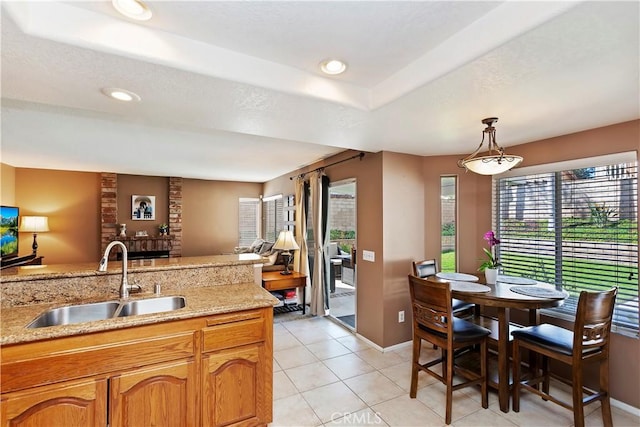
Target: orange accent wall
(71,200)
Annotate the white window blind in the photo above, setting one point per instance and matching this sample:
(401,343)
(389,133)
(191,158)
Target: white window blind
(249,221)
(573,225)
(272,217)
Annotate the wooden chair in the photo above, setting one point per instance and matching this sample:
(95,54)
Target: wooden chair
(434,322)
(589,343)
(429,267)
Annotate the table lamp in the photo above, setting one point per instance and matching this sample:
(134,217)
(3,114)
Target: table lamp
(35,225)
(286,243)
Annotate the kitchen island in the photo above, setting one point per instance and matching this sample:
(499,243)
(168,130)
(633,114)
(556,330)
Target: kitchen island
(208,363)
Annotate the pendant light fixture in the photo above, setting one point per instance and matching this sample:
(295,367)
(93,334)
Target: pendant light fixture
(496,161)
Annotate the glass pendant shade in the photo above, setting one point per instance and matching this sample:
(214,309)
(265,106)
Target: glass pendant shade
(491,165)
(496,161)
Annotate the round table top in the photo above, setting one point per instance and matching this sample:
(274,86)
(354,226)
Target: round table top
(501,295)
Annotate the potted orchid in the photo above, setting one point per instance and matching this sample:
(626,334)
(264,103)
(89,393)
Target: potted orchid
(491,265)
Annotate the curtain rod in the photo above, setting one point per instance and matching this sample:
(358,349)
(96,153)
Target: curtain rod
(302,175)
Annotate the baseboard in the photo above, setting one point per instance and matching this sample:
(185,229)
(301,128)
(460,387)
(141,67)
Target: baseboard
(625,407)
(398,346)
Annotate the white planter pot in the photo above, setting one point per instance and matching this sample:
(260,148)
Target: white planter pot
(491,275)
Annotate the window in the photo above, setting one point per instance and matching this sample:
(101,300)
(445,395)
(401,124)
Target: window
(448,215)
(272,217)
(575,225)
(249,221)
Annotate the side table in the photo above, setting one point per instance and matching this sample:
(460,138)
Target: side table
(274,281)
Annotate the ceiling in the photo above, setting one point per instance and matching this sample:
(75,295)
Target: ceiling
(232,90)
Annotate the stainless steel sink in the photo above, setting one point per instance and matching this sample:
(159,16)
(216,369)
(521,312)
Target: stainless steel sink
(106,310)
(151,305)
(75,314)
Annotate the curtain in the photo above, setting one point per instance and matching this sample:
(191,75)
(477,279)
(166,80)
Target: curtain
(301,257)
(324,206)
(319,298)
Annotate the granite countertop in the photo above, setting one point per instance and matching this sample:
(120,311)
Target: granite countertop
(53,271)
(201,301)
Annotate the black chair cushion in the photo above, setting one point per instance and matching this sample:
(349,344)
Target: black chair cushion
(462,331)
(457,305)
(550,336)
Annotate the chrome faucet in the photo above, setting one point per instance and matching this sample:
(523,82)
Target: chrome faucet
(125,288)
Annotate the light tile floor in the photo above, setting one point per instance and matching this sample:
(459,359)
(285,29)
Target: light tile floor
(325,376)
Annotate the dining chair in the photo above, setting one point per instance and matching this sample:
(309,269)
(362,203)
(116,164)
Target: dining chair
(433,321)
(429,267)
(588,342)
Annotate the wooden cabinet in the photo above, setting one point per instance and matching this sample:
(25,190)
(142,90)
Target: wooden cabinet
(162,395)
(73,403)
(208,371)
(233,387)
(237,372)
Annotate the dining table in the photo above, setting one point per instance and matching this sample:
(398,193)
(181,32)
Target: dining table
(502,298)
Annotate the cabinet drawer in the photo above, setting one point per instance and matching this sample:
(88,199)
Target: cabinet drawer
(67,363)
(233,330)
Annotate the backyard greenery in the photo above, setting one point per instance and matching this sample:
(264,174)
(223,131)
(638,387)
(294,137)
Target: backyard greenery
(579,274)
(343,235)
(622,231)
(448,261)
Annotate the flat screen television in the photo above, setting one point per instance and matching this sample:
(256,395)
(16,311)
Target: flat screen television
(9,231)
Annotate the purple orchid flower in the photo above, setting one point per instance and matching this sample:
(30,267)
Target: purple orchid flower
(490,237)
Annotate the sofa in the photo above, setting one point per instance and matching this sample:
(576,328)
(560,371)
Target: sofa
(274,261)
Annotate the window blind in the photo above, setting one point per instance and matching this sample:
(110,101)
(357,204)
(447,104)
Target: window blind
(272,217)
(248,221)
(575,227)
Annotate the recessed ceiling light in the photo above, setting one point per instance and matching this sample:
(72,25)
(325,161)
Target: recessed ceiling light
(333,66)
(134,9)
(120,94)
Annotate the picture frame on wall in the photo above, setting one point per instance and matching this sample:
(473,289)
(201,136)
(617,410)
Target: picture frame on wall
(143,208)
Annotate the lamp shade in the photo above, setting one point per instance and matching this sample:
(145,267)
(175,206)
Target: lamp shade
(491,165)
(34,224)
(286,241)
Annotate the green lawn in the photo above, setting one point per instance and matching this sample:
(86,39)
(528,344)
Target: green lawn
(578,274)
(448,262)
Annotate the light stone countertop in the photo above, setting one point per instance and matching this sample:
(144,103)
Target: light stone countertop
(55,271)
(210,284)
(200,301)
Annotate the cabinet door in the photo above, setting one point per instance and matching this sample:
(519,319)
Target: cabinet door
(72,403)
(161,395)
(233,389)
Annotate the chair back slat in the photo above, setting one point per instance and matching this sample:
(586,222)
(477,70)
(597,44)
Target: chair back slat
(422,269)
(593,319)
(430,318)
(431,303)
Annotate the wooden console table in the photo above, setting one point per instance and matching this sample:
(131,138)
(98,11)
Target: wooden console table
(274,281)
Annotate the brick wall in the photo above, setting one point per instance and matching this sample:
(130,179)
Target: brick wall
(108,208)
(343,212)
(175,215)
